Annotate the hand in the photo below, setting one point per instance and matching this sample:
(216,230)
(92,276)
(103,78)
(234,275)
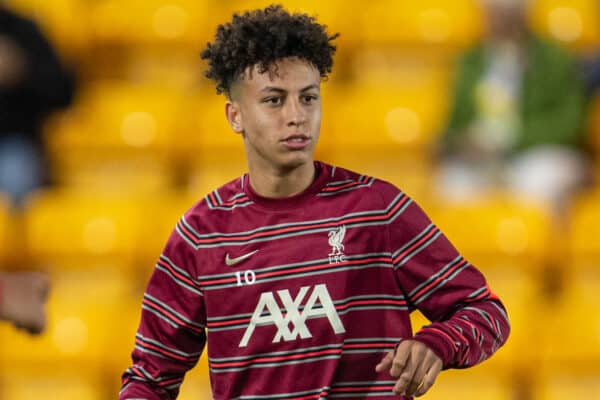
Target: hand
(23,297)
(12,62)
(414,365)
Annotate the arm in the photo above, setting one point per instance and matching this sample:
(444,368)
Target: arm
(469,323)
(171,335)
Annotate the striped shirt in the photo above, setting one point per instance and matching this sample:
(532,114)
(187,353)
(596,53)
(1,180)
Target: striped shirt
(301,297)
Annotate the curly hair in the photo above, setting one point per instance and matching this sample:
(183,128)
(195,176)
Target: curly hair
(262,37)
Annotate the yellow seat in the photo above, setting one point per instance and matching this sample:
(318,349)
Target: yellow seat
(575,23)
(560,383)
(492,230)
(28,385)
(571,324)
(478,383)
(152,22)
(84,308)
(450,23)
(403,104)
(65,21)
(214,152)
(65,225)
(118,132)
(582,242)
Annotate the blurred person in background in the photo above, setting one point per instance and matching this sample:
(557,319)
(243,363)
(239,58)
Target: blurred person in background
(22,299)
(273,269)
(33,82)
(516,117)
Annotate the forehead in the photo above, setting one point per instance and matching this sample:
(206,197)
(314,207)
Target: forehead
(288,74)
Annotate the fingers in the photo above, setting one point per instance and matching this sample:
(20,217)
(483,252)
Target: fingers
(401,358)
(406,363)
(429,378)
(416,383)
(415,366)
(386,363)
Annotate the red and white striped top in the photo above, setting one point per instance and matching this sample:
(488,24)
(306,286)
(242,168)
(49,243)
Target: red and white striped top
(300,298)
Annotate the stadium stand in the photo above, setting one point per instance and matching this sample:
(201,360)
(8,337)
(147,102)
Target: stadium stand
(146,140)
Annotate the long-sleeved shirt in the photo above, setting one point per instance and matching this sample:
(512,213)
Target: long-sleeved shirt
(46,86)
(301,297)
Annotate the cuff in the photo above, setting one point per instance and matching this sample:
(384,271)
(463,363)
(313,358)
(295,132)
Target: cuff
(440,343)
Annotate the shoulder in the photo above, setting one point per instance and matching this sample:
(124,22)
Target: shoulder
(344,182)
(223,199)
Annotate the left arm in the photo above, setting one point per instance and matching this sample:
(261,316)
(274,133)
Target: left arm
(469,323)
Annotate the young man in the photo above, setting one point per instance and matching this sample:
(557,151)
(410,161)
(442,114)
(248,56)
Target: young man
(300,275)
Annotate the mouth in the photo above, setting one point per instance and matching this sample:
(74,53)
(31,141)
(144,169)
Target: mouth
(296,138)
(296,141)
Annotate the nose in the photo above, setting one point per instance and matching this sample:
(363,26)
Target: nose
(295,113)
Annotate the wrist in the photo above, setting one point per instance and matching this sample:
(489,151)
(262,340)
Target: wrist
(438,342)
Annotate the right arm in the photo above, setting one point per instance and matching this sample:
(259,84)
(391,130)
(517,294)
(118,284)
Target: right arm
(171,335)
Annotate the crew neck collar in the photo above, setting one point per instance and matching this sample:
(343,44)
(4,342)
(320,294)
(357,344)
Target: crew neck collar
(282,203)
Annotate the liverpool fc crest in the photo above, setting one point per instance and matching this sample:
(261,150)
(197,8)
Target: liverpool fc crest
(336,238)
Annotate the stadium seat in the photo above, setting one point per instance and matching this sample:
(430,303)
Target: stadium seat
(65,21)
(496,231)
(560,383)
(64,225)
(119,136)
(27,384)
(571,324)
(438,22)
(584,230)
(478,383)
(84,308)
(154,22)
(395,107)
(575,23)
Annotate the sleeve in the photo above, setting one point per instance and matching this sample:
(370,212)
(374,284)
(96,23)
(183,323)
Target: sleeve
(469,323)
(171,335)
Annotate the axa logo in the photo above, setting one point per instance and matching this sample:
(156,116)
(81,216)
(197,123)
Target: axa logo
(268,312)
(336,239)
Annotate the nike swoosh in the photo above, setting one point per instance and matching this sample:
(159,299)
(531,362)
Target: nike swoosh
(232,261)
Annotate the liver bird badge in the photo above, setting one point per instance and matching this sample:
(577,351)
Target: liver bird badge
(336,238)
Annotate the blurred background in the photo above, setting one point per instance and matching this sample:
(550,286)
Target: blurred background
(423,94)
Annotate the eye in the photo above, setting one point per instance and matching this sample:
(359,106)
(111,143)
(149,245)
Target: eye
(274,101)
(309,98)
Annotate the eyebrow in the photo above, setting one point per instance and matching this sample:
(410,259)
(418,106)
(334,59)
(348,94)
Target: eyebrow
(280,90)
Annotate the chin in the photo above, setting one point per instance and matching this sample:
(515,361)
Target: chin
(296,161)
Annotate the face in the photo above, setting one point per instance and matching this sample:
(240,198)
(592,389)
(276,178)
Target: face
(505,17)
(278,114)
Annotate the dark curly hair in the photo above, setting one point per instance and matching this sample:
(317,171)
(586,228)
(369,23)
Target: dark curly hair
(262,37)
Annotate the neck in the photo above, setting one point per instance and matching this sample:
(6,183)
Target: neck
(281,183)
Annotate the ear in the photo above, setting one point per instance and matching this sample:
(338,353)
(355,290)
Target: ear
(234,116)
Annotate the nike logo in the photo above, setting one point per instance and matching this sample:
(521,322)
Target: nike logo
(232,261)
